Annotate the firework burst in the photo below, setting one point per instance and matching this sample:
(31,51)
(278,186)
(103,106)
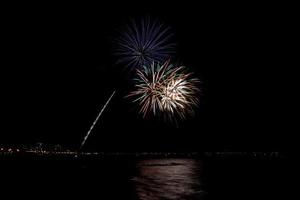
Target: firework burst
(143,42)
(165,89)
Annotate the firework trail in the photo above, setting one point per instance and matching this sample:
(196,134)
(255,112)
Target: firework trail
(143,42)
(166,89)
(88,133)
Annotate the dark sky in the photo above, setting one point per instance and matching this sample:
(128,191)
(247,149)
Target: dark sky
(59,71)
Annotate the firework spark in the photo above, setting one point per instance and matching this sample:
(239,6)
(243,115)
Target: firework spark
(143,42)
(166,89)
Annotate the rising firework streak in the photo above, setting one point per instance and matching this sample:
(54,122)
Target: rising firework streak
(88,133)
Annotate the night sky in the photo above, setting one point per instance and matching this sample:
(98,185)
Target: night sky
(59,71)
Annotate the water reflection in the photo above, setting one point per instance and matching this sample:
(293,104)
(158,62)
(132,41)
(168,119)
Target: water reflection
(169,179)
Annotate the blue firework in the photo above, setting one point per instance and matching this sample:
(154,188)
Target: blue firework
(143,42)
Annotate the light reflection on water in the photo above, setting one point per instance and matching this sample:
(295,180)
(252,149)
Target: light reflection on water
(169,179)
